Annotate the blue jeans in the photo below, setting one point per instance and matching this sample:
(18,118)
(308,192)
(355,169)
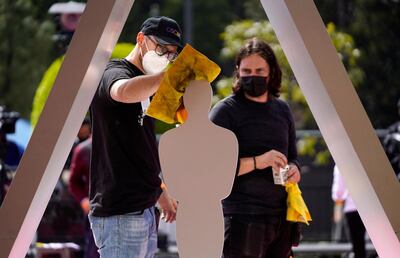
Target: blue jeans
(131,235)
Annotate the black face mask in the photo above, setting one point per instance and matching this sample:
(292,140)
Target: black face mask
(255,86)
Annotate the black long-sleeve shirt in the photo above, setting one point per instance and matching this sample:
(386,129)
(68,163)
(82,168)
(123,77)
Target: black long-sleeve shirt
(259,127)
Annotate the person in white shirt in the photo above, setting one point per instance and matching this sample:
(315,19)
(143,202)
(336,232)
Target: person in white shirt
(341,196)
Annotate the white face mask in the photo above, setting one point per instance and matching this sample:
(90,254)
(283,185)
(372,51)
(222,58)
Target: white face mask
(153,63)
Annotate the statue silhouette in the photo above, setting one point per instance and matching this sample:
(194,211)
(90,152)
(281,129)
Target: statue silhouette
(199,160)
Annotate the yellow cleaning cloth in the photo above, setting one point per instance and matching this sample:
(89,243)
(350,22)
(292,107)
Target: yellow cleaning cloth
(297,210)
(167,104)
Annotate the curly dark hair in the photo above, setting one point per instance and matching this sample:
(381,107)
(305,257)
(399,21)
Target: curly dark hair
(261,48)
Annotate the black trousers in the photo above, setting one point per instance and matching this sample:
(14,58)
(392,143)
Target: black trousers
(357,234)
(244,238)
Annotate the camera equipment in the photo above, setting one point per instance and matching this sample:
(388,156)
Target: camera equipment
(8,120)
(66,16)
(391,145)
(7,125)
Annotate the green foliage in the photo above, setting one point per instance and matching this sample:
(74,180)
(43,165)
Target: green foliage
(24,50)
(375,25)
(121,50)
(314,146)
(235,36)
(208,21)
(237,33)
(26,46)
(307,145)
(254,10)
(348,53)
(44,89)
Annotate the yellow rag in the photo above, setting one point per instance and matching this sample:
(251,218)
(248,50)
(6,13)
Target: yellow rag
(167,104)
(297,210)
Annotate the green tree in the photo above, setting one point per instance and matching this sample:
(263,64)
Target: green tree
(209,19)
(24,53)
(43,90)
(237,33)
(375,25)
(46,84)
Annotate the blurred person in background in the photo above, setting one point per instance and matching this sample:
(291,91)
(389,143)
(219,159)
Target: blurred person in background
(10,152)
(79,186)
(83,134)
(343,200)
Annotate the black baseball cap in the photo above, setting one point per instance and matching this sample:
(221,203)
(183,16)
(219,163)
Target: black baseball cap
(165,30)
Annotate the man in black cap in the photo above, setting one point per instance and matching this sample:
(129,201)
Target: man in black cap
(125,179)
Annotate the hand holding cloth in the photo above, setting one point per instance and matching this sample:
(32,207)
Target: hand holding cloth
(167,103)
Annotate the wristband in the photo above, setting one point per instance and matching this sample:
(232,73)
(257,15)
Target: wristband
(254,161)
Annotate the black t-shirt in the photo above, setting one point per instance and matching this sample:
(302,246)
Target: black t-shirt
(259,127)
(124,163)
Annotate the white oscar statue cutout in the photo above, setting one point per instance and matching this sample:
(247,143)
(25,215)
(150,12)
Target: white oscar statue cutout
(198,161)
